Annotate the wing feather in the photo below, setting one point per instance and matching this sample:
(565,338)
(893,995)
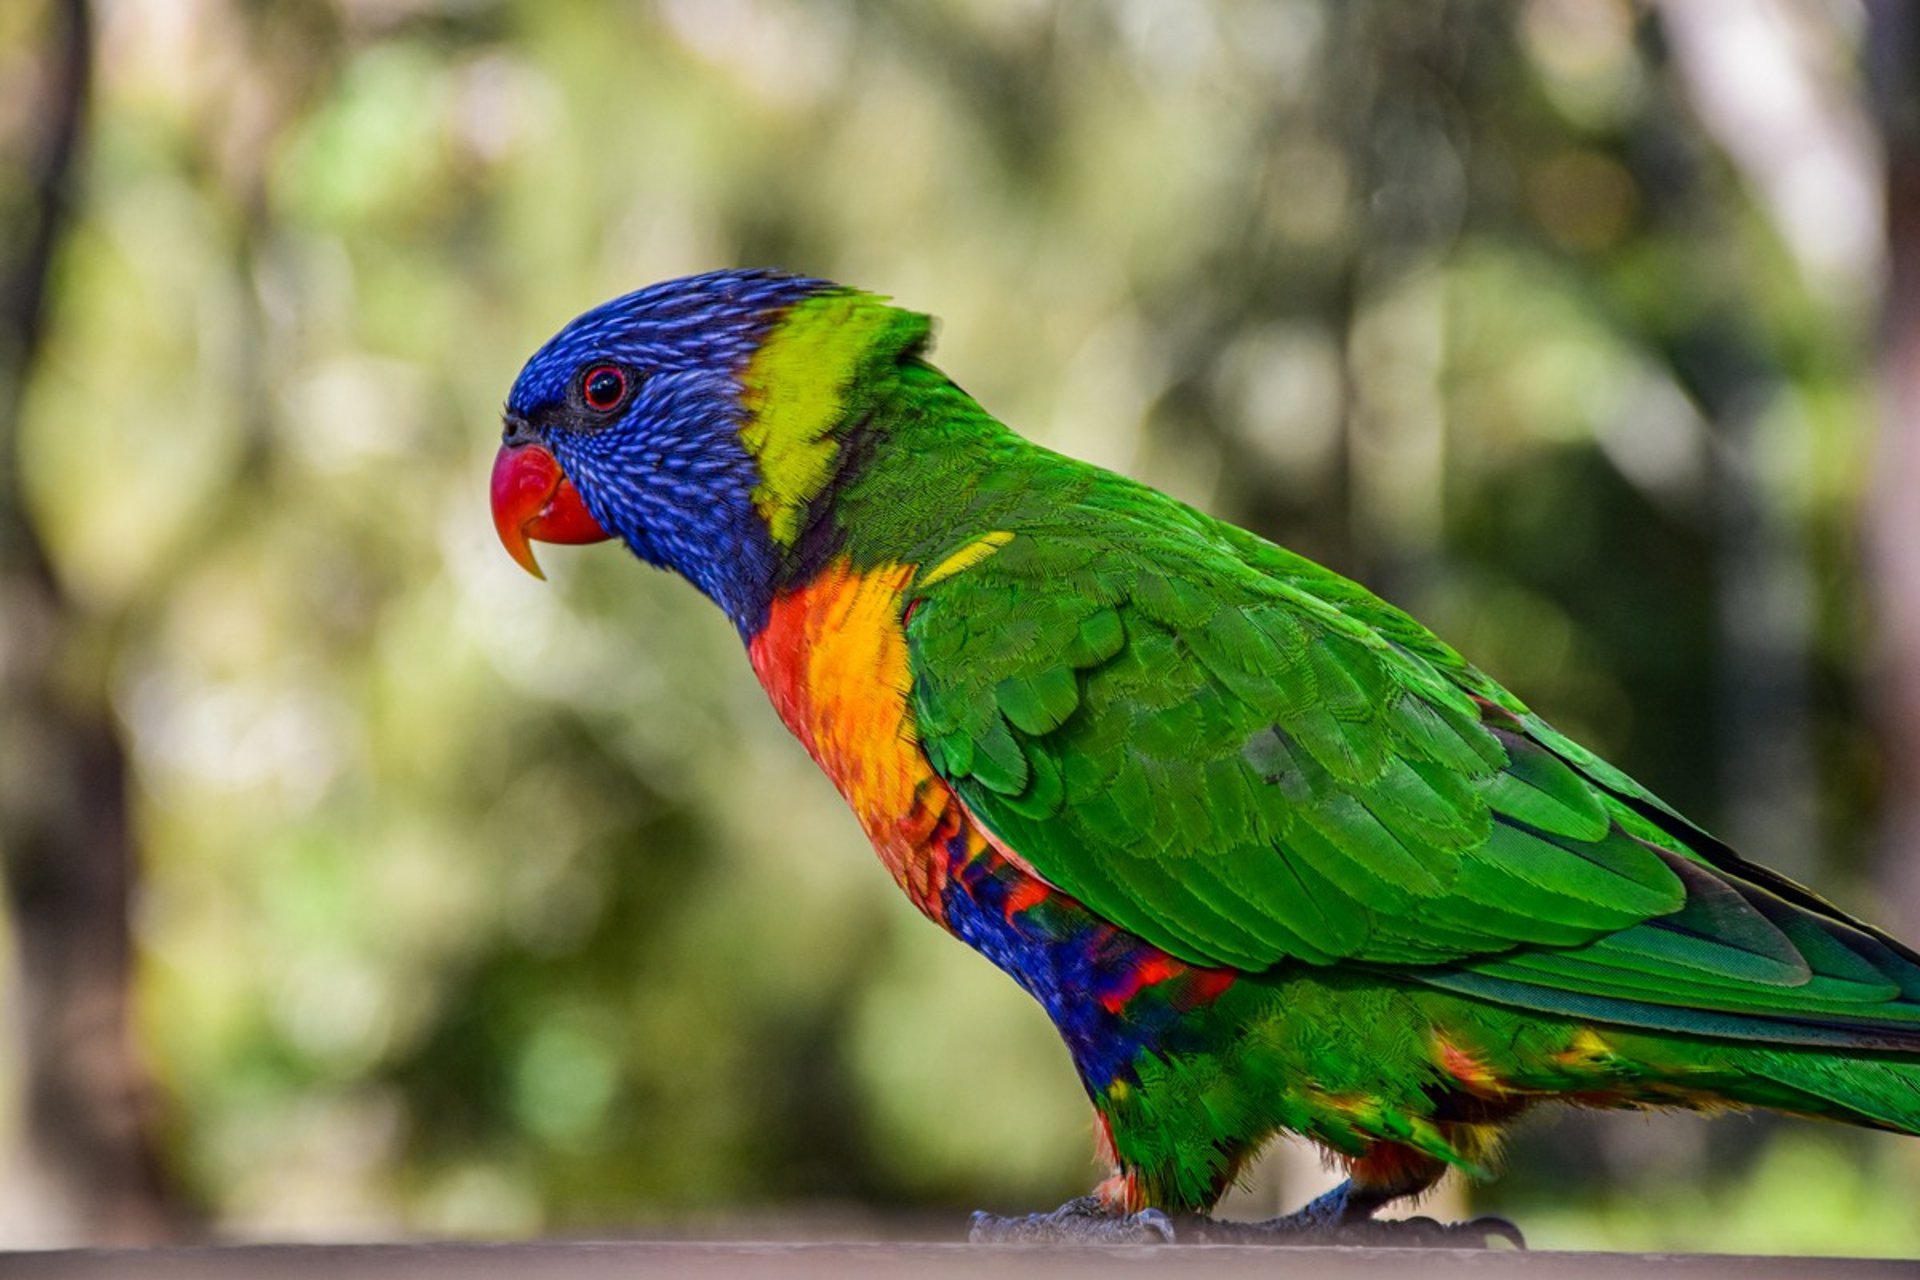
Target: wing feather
(1246,760)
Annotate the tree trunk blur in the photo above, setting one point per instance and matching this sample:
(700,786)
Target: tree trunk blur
(88,1168)
(1893,532)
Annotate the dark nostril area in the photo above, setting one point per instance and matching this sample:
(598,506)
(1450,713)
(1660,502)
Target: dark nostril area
(516,430)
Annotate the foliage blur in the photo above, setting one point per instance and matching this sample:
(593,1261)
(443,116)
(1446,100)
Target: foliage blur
(471,904)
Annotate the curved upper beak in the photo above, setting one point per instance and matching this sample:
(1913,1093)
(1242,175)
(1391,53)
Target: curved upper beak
(534,500)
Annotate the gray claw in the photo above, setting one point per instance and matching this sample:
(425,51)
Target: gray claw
(1151,1226)
(1489,1229)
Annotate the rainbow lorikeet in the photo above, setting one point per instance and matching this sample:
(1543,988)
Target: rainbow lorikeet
(1271,855)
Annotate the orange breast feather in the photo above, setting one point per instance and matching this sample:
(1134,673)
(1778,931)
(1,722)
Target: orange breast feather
(833,658)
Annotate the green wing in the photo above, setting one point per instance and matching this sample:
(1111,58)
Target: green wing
(1246,759)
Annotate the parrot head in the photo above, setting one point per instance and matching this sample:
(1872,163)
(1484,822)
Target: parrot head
(676,420)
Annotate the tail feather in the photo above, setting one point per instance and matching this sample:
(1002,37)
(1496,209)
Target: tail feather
(1751,956)
(1880,1092)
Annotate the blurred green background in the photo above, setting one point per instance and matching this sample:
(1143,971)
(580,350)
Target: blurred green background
(363,886)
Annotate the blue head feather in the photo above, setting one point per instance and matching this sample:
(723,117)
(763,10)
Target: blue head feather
(669,475)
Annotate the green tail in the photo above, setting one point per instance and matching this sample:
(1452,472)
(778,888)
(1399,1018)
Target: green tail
(1881,1092)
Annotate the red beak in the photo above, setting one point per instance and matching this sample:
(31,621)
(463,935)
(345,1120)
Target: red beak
(533,499)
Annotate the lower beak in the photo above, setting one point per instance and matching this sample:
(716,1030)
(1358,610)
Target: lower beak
(534,500)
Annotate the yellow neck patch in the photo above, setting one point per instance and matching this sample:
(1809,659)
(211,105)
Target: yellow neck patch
(795,391)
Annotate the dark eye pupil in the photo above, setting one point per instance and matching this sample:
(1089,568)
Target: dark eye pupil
(605,387)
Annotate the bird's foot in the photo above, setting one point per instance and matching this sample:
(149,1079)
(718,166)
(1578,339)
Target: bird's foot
(1399,1233)
(1082,1221)
(1344,1216)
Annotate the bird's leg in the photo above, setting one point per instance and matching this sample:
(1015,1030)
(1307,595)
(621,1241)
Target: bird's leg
(1344,1215)
(1086,1220)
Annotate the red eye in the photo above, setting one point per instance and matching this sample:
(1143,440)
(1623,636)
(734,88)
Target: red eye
(603,387)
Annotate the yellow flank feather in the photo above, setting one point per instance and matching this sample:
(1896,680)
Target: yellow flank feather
(794,393)
(968,556)
(1587,1046)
